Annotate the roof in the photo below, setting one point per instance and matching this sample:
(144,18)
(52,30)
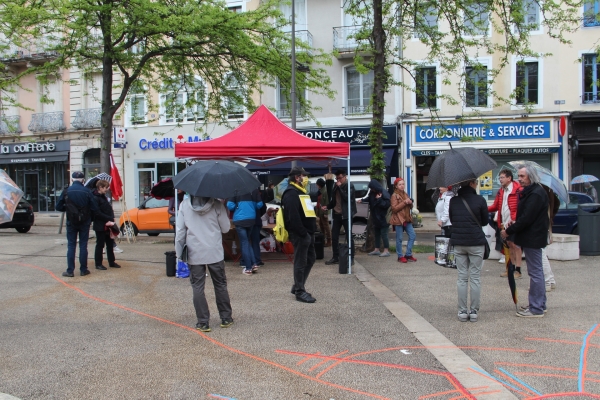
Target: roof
(263,137)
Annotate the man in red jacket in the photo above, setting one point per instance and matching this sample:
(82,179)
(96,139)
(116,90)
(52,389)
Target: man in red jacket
(505,204)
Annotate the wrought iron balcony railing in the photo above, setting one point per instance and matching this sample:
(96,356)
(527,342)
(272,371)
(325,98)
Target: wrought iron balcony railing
(342,40)
(9,125)
(287,114)
(591,97)
(357,110)
(47,122)
(40,49)
(87,118)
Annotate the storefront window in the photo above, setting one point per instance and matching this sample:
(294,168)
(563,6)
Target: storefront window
(91,163)
(149,174)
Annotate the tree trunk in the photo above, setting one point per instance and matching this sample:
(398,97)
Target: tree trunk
(106,128)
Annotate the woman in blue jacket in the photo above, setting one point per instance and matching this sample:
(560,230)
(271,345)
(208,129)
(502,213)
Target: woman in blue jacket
(244,210)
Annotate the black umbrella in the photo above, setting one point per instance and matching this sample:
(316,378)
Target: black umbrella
(163,189)
(458,165)
(220,179)
(91,183)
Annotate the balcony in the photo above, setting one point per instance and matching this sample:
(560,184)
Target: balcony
(40,50)
(9,125)
(591,97)
(287,114)
(354,111)
(87,118)
(303,36)
(344,42)
(47,122)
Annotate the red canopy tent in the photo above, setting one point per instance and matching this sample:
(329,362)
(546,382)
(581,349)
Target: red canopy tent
(263,138)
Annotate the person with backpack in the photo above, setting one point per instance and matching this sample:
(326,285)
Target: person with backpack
(301,229)
(104,216)
(379,204)
(78,203)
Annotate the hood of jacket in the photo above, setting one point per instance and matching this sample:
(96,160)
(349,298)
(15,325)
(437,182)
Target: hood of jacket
(201,205)
(449,193)
(374,185)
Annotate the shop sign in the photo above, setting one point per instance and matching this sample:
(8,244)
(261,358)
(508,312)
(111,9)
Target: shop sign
(486,132)
(21,148)
(357,136)
(167,143)
(492,152)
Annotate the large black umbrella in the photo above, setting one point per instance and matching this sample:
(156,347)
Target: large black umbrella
(220,179)
(163,189)
(458,165)
(91,183)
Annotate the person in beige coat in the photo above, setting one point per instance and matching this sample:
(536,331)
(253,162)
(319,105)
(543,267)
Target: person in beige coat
(401,219)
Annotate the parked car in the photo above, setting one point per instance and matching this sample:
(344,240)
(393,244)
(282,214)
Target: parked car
(565,221)
(23,218)
(150,217)
(361,188)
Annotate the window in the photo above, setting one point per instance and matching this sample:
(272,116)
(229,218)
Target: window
(476,19)
(184,102)
(531,16)
(426,87)
(284,109)
(91,163)
(235,99)
(591,78)
(137,109)
(527,83)
(359,89)
(93,90)
(426,22)
(51,92)
(235,9)
(476,88)
(591,13)
(299,14)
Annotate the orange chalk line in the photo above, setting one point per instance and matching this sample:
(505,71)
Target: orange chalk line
(570,394)
(453,391)
(347,359)
(222,345)
(324,361)
(514,381)
(307,358)
(497,381)
(560,341)
(478,394)
(586,346)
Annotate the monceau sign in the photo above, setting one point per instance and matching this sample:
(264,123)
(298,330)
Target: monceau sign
(23,148)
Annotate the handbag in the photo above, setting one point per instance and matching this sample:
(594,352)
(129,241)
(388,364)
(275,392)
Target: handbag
(486,249)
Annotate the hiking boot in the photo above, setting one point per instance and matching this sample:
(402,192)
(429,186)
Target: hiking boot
(528,314)
(226,323)
(385,254)
(203,327)
(473,316)
(101,267)
(375,253)
(463,316)
(332,261)
(410,258)
(68,274)
(402,260)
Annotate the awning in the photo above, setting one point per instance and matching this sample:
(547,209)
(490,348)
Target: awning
(26,158)
(360,160)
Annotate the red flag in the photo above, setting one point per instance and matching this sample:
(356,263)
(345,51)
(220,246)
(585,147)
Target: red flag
(116,186)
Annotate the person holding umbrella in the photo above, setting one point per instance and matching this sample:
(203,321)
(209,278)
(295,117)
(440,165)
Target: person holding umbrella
(104,218)
(468,213)
(531,233)
(301,227)
(591,191)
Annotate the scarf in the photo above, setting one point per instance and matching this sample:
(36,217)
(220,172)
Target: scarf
(300,188)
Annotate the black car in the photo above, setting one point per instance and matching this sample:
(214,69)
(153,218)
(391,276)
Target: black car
(565,221)
(22,218)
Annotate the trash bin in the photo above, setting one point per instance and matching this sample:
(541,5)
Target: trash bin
(171,263)
(319,245)
(588,222)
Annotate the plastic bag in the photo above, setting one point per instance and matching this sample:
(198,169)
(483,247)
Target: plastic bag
(183,271)
(268,245)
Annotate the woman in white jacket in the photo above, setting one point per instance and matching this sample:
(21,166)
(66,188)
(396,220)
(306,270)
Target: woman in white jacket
(441,210)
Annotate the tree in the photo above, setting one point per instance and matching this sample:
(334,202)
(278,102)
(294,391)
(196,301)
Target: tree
(144,45)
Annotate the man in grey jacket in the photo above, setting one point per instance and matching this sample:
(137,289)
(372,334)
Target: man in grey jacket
(200,222)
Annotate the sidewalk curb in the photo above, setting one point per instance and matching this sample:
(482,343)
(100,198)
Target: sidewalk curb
(446,352)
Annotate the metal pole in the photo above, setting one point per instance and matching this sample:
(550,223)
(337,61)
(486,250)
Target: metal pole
(293,91)
(349,234)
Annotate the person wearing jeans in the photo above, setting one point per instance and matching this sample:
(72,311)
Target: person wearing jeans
(379,204)
(401,219)
(245,208)
(244,235)
(468,213)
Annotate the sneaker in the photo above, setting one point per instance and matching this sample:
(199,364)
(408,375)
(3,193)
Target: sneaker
(473,316)
(247,271)
(410,258)
(553,286)
(527,314)
(104,251)
(385,254)
(226,323)
(502,260)
(375,253)
(402,260)
(504,274)
(116,249)
(203,327)
(548,288)
(68,274)
(525,308)
(463,316)
(518,275)
(255,268)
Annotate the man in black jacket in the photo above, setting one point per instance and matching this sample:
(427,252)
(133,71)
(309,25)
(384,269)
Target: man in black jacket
(531,233)
(82,198)
(468,240)
(338,202)
(301,229)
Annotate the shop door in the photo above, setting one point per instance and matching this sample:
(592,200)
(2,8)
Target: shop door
(31,190)
(147,179)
